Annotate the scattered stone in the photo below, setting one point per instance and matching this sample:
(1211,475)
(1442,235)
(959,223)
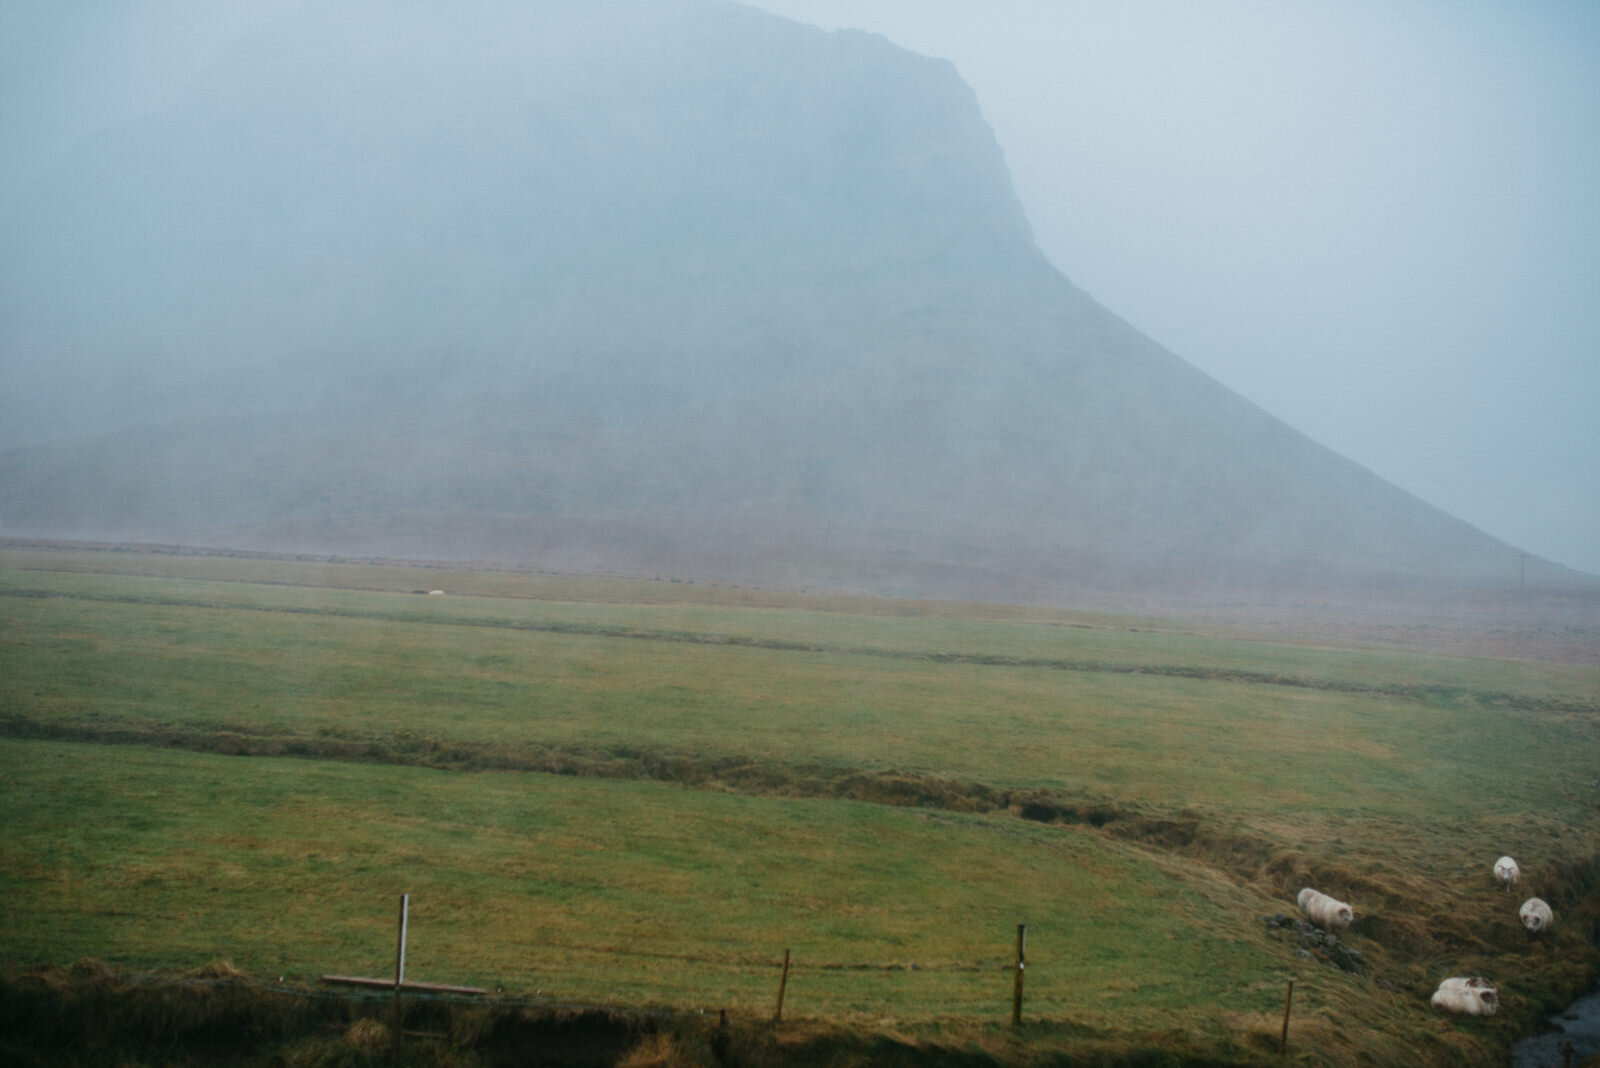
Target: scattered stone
(1315,942)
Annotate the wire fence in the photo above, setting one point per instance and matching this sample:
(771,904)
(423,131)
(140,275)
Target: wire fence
(756,971)
(753,962)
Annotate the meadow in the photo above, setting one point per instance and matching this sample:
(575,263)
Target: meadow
(608,791)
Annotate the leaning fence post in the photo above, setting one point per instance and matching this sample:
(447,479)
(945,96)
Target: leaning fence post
(782,983)
(1283,1041)
(400,972)
(1016,987)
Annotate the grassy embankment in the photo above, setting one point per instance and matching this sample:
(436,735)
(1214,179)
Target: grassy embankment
(1191,785)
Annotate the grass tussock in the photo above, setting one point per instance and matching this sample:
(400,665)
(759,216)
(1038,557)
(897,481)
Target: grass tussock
(218,969)
(658,1050)
(90,1007)
(369,1036)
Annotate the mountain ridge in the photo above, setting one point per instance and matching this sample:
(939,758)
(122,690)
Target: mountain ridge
(655,283)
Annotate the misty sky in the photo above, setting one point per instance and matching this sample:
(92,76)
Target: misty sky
(1378,220)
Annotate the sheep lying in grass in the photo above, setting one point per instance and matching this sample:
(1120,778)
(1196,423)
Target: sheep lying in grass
(1505,869)
(1536,915)
(1328,913)
(1471,997)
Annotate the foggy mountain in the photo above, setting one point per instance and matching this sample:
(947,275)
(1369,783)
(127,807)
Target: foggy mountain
(666,285)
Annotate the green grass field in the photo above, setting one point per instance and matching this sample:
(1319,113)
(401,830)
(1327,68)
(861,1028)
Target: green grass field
(207,758)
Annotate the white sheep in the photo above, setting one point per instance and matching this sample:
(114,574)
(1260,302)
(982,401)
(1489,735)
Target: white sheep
(1536,915)
(1472,997)
(1328,913)
(1506,870)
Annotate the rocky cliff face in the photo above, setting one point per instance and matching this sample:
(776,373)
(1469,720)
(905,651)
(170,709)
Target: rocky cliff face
(664,285)
(493,177)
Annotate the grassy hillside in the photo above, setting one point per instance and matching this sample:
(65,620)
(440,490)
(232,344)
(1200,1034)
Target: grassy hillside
(249,759)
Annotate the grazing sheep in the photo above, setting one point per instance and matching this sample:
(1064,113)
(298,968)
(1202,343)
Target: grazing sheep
(1471,997)
(1536,915)
(1505,869)
(1326,912)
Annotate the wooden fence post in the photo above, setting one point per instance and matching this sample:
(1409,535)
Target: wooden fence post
(400,972)
(1283,1041)
(782,983)
(719,1038)
(1016,987)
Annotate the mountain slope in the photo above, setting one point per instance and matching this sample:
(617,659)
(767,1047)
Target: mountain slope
(649,285)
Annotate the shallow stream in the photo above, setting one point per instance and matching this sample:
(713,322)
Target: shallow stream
(1578,1024)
